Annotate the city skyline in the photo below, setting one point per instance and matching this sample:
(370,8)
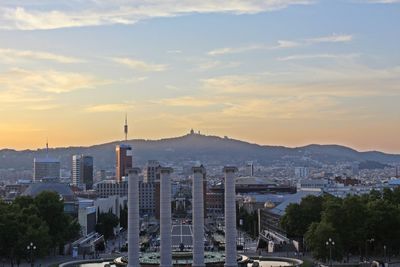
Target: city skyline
(270,72)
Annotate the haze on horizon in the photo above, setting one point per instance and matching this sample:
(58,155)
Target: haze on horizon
(286,72)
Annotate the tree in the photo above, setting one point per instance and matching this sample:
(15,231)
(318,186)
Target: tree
(317,236)
(62,227)
(123,217)
(106,224)
(18,228)
(298,217)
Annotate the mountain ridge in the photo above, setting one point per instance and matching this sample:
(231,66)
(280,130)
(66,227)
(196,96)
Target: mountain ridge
(206,148)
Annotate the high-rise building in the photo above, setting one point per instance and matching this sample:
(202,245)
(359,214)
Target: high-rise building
(46,169)
(124,160)
(82,171)
(250,169)
(151,173)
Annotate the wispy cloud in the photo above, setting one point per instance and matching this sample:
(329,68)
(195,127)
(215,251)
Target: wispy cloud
(236,50)
(104,12)
(139,64)
(186,101)
(216,64)
(335,38)
(382,1)
(114,107)
(317,56)
(11,55)
(282,44)
(21,85)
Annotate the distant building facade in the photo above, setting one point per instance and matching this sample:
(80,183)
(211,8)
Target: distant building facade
(123,160)
(82,171)
(46,169)
(301,172)
(151,171)
(108,188)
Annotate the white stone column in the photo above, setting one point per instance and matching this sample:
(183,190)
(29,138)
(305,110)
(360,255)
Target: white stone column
(133,217)
(198,216)
(165,218)
(230,217)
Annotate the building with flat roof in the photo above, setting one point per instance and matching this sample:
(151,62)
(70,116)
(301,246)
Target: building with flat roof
(124,155)
(82,171)
(46,168)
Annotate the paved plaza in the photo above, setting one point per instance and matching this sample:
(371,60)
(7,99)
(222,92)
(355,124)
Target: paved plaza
(182,233)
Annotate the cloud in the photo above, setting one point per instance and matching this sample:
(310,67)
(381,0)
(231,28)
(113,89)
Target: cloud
(236,50)
(48,15)
(383,1)
(10,55)
(139,65)
(318,56)
(282,44)
(115,107)
(20,86)
(187,101)
(332,39)
(206,65)
(351,80)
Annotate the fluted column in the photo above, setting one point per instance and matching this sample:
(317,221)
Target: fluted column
(165,218)
(133,217)
(198,216)
(230,217)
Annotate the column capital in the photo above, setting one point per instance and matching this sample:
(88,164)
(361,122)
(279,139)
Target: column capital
(166,170)
(227,169)
(199,169)
(134,170)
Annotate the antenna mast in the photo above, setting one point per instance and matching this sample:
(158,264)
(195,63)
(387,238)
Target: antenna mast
(126,127)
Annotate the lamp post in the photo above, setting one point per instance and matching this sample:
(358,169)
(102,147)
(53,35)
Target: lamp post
(330,243)
(240,231)
(366,247)
(384,253)
(31,248)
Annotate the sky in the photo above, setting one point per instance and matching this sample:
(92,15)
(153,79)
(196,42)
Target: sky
(273,72)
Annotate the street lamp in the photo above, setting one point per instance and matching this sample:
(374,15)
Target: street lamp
(366,247)
(31,248)
(384,253)
(330,243)
(240,231)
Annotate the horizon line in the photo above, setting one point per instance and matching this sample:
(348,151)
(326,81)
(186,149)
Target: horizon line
(201,134)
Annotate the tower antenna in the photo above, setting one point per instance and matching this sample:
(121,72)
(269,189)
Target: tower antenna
(47,147)
(126,127)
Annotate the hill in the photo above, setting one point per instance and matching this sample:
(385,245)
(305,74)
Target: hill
(211,150)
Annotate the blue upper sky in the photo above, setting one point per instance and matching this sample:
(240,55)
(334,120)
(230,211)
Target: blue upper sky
(287,72)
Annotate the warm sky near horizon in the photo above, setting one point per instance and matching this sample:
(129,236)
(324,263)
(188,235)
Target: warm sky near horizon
(277,72)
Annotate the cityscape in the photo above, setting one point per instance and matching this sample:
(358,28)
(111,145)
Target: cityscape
(199,133)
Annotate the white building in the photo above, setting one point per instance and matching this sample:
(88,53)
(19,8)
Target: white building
(301,172)
(109,188)
(313,184)
(46,169)
(76,170)
(82,171)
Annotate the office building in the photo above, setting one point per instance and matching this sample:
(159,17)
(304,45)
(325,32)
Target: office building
(82,171)
(46,169)
(123,160)
(147,205)
(151,171)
